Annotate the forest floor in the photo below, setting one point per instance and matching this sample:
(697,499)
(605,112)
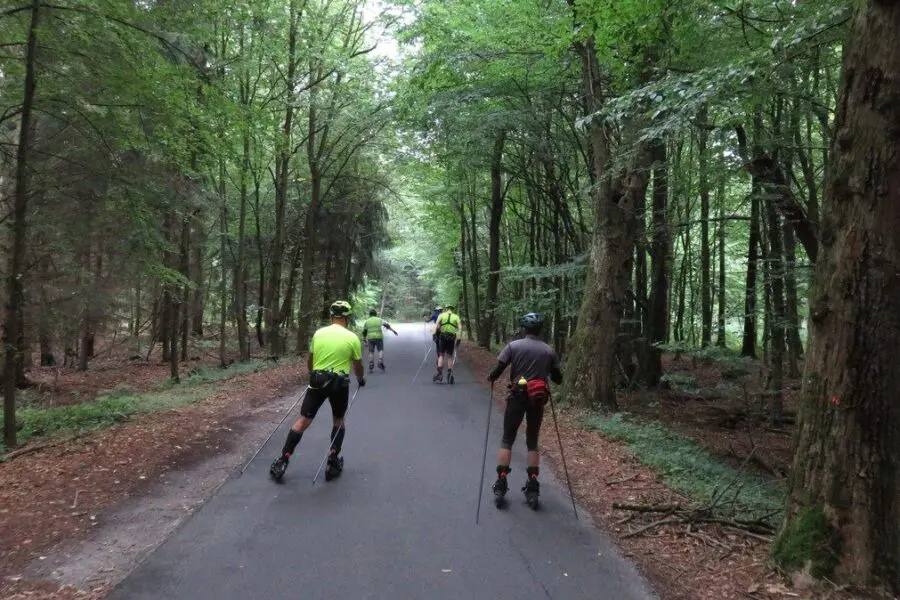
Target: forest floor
(82,465)
(63,492)
(714,458)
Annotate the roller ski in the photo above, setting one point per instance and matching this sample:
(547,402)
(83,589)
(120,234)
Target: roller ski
(500,488)
(372,366)
(334,467)
(450,379)
(438,377)
(532,491)
(279,466)
(381,366)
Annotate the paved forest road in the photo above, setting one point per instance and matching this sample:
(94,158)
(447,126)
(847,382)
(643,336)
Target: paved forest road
(400,521)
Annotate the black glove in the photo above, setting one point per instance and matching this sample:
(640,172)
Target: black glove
(395,333)
(491,377)
(361,382)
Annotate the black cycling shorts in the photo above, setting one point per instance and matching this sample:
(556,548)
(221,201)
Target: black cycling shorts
(375,345)
(337,393)
(447,343)
(519,408)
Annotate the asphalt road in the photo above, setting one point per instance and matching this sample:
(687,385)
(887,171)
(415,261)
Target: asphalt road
(398,523)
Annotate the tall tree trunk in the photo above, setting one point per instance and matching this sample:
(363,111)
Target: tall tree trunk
(274,314)
(846,469)
(776,329)
(792,317)
(184,267)
(592,369)
(484,338)
(223,275)
(749,344)
(138,312)
(705,278)
(45,332)
(720,333)
(314,155)
(14,287)
(476,273)
(240,269)
(463,270)
(261,291)
(659,274)
(197,304)
(85,351)
(182,302)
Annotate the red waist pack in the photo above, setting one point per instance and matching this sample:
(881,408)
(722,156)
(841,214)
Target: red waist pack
(537,391)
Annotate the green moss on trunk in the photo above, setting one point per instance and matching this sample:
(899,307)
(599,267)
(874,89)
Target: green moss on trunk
(808,540)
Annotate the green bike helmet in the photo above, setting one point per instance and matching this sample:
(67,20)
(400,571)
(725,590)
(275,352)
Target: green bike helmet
(340,309)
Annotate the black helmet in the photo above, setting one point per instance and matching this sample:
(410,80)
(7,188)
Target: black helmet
(373,312)
(532,321)
(340,309)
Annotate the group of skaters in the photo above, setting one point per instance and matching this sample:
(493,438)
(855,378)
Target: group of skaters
(335,352)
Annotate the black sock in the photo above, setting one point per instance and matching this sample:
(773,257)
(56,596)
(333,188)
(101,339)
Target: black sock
(337,434)
(532,472)
(291,442)
(503,469)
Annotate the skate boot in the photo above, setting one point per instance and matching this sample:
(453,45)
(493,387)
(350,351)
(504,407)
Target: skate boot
(371,366)
(279,466)
(334,467)
(438,377)
(500,488)
(450,377)
(532,490)
(381,366)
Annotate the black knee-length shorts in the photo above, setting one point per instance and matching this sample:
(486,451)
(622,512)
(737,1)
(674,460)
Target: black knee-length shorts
(519,408)
(336,393)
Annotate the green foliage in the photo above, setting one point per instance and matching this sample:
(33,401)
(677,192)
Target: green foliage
(689,469)
(680,379)
(808,541)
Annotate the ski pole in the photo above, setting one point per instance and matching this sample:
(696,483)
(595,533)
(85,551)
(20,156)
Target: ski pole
(427,352)
(487,433)
(283,419)
(563,456)
(336,433)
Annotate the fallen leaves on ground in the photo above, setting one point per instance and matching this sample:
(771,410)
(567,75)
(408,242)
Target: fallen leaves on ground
(708,563)
(62,492)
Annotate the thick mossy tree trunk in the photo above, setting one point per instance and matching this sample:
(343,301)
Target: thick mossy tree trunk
(843,488)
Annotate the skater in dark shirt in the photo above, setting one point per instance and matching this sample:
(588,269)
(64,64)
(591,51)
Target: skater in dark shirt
(531,363)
